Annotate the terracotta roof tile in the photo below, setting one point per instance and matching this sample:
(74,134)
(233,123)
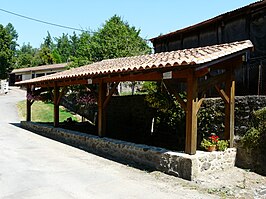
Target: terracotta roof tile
(189,57)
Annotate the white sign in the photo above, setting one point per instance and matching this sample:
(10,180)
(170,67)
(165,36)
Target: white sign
(89,81)
(167,75)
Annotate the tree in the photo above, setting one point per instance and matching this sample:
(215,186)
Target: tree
(44,56)
(14,36)
(45,53)
(117,39)
(82,50)
(7,46)
(25,56)
(48,42)
(63,47)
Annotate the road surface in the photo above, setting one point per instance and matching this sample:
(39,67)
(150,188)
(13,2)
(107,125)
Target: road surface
(32,166)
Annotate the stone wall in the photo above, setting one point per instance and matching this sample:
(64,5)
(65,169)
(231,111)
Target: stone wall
(244,106)
(175,163)
(129,118)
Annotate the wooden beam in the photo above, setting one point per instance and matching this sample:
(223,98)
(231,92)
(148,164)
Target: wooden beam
(56,105)
(229,108)
(191,115)
(101,111)
(29,103)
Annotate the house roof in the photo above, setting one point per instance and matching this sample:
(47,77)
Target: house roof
(40,68)
(222,17)
(185,58)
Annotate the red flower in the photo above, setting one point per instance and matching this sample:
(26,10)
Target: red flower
(214,139)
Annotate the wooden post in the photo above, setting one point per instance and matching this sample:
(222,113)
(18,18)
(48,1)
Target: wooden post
(56,106)
(29,103)
(191,115)
(230,108)
(101,110)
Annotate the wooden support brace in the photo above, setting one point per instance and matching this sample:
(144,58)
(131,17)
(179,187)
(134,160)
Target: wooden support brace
(62,93)
(199,104)
(111,92)
(222,94)
(176,94)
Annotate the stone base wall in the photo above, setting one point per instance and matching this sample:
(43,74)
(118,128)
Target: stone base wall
(216,160)
(174,163)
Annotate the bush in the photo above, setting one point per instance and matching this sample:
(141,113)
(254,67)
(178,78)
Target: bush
(251,139)
(222,145)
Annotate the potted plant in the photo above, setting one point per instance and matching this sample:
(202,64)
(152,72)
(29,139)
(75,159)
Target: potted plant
(210,144)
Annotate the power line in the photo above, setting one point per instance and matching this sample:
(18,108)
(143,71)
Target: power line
(41,21)
(49,23)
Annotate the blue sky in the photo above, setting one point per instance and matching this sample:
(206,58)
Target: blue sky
(153,17)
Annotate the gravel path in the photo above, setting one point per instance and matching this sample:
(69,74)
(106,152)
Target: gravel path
(32,166)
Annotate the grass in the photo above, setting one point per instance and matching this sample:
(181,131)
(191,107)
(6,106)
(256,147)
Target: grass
(43,112)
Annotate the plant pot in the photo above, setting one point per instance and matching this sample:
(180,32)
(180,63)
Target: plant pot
(211,148)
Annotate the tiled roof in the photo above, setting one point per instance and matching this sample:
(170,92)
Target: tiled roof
(224,16)
(186,57)
(40,68)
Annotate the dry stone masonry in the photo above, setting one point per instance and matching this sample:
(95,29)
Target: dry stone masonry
(174,163)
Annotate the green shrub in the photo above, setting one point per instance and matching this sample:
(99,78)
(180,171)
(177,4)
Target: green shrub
(222,145)
(251,139)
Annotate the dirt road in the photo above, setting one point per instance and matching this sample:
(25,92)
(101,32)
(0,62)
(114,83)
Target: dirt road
(32,166)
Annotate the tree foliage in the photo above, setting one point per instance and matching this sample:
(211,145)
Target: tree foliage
(116,38)
(8,37)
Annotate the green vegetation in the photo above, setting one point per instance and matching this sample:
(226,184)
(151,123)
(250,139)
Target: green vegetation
(116,38)
(8,37)
(255,137)
(43,112)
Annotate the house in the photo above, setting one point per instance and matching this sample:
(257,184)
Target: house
(22,74)
(248,22)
